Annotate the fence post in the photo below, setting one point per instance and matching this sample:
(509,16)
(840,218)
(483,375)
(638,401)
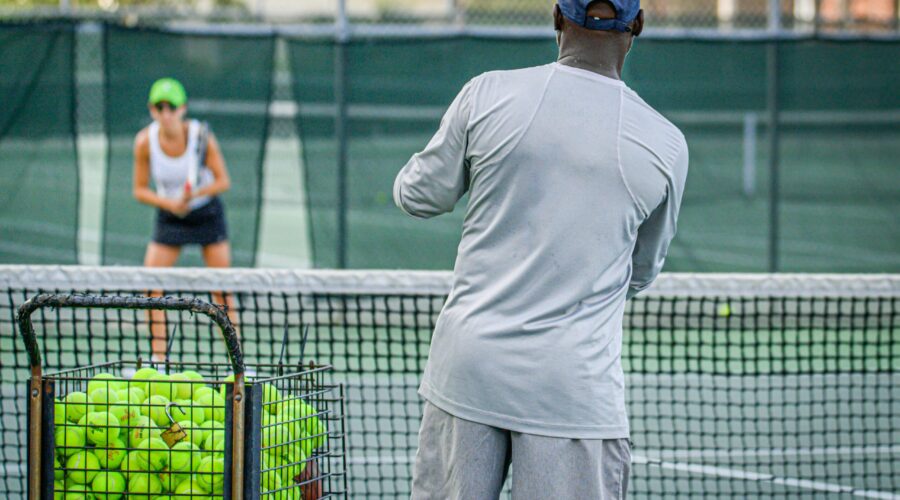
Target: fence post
(340,127)
(772,83)
(774,15)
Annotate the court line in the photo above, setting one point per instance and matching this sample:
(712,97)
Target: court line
(761,478)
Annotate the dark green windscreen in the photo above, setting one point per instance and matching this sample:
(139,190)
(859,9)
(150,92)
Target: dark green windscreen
(228,81)
(38,159)
(839,138)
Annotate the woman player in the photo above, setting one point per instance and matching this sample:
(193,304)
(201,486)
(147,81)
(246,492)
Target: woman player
(189,173)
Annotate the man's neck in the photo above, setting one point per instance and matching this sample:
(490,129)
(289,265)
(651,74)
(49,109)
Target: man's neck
(604,68)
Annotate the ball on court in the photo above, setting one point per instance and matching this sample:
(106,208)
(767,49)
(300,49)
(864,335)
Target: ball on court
(76,406)
(82,467)
(724,310)
(108,485)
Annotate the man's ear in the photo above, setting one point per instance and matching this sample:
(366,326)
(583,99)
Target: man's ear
(637,26)
(557,18)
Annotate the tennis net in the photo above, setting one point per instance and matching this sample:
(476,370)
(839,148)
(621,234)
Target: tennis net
(739,386)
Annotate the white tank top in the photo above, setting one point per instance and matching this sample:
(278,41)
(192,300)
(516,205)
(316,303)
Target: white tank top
(170,173)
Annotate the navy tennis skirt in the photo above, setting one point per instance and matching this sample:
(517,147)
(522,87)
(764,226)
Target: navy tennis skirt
(204,225)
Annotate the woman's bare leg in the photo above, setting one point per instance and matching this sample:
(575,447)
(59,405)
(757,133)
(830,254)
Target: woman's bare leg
(159,255)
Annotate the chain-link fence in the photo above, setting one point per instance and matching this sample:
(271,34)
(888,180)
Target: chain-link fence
(725,15)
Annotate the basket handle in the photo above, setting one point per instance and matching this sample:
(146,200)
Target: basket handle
(217,314)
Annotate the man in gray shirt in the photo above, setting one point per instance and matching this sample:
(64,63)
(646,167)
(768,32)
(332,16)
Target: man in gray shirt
(574,188)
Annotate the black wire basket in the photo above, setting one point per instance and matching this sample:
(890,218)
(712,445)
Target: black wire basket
(132,429)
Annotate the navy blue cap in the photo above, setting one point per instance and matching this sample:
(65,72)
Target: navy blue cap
(576,11)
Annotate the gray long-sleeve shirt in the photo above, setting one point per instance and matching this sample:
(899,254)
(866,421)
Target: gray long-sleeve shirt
(574,187)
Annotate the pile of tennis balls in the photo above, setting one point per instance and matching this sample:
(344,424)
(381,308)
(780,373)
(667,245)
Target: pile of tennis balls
(109,439)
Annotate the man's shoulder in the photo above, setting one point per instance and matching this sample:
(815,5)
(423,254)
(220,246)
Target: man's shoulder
(509,78)
(650,117)
(639,105)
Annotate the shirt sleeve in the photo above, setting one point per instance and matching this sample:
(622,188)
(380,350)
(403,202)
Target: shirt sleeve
(436,178)
(656,232)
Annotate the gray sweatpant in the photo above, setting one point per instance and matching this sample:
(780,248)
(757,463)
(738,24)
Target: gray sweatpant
(460,459)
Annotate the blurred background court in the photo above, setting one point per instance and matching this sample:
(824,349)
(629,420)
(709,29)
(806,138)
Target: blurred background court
(791,110)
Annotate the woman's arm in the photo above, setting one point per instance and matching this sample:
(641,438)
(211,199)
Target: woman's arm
(216,163)
(141,180)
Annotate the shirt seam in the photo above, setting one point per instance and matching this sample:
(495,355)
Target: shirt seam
(527,127)
(640,206)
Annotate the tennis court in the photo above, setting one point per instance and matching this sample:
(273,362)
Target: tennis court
(794,393)
(739,385)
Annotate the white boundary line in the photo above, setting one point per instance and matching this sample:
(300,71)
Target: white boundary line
(744,475)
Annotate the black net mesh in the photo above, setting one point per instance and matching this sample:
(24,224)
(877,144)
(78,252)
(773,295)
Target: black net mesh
(228,81)
(38,159)
(774,393)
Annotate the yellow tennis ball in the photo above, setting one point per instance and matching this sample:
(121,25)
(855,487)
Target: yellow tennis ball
(155,408)
(102,428)
(141,428)
(82,467)
(156,452)
(143,486)
(105,381)
(76,406)
(108,485)
(186,457)
(142,378)
(211,473)
(111,457)
(724,310)
(69,439)
(181,386)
